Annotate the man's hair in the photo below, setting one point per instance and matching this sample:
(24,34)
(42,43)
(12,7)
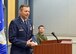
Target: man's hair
(40,26)
(23,5)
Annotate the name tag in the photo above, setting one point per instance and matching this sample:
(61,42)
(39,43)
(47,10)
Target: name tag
(21,29)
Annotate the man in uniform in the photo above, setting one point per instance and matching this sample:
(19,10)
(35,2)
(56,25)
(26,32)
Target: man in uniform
(20,32)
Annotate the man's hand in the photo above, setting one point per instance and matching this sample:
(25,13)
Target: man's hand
(31,43)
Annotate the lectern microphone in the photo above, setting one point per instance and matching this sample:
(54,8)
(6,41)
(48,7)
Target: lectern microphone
(55,36)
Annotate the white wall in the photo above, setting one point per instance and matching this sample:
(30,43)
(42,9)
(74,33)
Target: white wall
(58,16)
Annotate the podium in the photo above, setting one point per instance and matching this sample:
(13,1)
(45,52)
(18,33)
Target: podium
(62,46)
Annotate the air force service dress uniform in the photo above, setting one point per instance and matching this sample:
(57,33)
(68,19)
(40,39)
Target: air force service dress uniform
(19,33)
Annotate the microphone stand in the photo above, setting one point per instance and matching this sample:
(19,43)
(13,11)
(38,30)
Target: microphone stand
(55,36)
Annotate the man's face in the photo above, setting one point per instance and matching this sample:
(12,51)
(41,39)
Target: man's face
(25,12)
(41,30)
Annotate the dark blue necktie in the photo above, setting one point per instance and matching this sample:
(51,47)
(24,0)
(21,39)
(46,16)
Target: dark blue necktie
(25,23)
(26,26)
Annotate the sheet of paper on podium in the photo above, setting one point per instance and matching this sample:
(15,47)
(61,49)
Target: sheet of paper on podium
(64,41)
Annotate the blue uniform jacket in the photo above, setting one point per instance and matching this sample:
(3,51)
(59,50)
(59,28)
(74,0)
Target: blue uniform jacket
(18,35)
